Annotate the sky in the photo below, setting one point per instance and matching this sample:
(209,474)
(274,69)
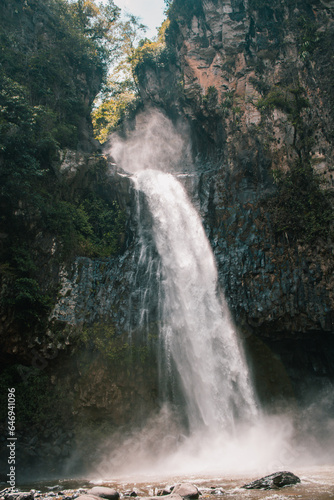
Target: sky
(151,12)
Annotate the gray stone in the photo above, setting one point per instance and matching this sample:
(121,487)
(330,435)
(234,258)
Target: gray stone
(273,481)
(87,496)
(186,490)
(217,491)
(21,495)
(171,497)
(167,490)
(104,492)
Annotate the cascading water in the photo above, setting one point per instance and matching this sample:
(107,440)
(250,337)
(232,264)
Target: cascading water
(198,338)
(209,419)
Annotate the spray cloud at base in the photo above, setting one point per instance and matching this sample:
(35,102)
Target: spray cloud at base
(210,419)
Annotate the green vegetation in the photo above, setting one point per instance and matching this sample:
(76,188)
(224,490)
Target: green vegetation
(115,109)
(154,55)
(290,100)
(103,225)
(49,49)
(102,338)
(148,53)
(53,61)
(89,226)
(27,300)
(21,290)
(261,86)
(36,401)
(210,102)
(185,8)
(120,96)
(227,101)
(301,208)
(308,39)
(210,99)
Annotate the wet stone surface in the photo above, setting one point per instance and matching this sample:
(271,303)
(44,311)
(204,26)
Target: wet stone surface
(273,481)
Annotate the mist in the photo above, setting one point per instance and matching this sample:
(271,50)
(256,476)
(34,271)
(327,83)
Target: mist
(154,143)
(162,448)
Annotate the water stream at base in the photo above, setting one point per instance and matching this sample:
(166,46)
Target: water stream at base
(197,336)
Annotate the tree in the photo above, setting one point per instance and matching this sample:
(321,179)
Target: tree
(119,92)
(54,56)
(100,25)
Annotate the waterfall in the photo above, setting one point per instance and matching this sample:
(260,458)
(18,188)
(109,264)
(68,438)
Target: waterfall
(208,420)
(197,336)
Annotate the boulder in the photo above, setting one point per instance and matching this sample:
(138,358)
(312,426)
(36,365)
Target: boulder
(87,496)
(186,490)
(167,490)
(130,493)
(104,492)
(273,481)
(169,497)
(217,491)
(21,495)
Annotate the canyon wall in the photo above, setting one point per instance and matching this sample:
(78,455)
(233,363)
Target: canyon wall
(254,83)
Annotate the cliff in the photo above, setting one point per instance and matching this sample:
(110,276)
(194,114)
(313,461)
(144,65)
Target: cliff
(58,202)
(254,82)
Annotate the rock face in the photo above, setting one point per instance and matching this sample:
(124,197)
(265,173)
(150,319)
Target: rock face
(256,97)
(274,481)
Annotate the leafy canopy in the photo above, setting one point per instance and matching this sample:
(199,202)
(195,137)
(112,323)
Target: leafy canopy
(119,94)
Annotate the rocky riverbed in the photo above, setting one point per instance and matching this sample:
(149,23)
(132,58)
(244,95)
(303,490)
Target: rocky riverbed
(316,483)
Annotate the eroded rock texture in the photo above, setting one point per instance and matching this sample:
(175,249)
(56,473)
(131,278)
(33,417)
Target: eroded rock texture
(256,95)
